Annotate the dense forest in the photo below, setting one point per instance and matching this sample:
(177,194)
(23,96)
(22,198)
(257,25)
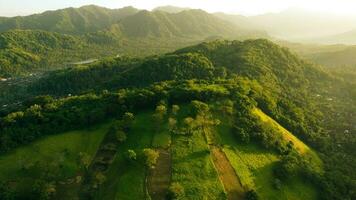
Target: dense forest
(55,39)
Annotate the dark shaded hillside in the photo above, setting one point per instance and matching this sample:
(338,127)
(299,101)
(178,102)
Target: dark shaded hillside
(262,60)
(127,72)
(70,20)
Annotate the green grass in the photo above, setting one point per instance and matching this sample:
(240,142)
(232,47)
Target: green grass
(193,168)
(125,181)
(25,164)
(301,147)
(57,149)
(254,166)
(162,140)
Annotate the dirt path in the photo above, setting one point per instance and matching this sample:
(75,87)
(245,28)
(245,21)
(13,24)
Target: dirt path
(227,174)
(159,178)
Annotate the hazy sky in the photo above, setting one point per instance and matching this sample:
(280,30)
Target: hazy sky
(246,7)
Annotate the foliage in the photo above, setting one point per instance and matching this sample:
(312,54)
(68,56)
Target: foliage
(251,195)
(131,155)
(176,191)
(150,157)
(42,190)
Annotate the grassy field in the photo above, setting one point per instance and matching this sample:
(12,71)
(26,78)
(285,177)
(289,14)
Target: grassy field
(254,166)
(301,147)
(58,153)
(192,164)
(193,168)
(125,181)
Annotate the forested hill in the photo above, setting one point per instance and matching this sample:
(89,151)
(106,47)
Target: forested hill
(70,20)
(25,50)
(188,23)
(263,60)
(282,88)
(131,21)
(53,38)
(256,59)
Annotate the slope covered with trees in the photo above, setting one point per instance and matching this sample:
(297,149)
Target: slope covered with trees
(41,41)
(268,95)
(70,20)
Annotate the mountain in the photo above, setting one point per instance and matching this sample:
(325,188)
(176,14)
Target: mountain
(70,20)
(171,9)
(190,23)
(344,57)
(94,31)
(295,24)
(24,51)
(348,37)
(239,20)
(298,24)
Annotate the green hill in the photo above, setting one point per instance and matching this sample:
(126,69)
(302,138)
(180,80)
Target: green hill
(70,20)
(24,51)
(339,58)
(40,42)
(237,99)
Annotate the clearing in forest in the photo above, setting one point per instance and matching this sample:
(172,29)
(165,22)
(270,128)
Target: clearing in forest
(227,174)
(159,178)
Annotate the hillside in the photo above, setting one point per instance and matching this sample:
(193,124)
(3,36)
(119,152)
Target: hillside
(186,162)
(236,100)
(170,9)
(70,20)
(39,42)
(23,51)
(344,57)
(298,25)
(347,37)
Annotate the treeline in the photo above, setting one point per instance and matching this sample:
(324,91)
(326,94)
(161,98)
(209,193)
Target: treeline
(45,115)
(125,72)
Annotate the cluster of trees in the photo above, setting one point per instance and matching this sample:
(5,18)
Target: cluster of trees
(127,72)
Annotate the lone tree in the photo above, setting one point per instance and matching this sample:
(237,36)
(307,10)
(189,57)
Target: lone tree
(120,136)
(203,119)
(130,155)
(84,161)
(172,123)
(175,110)
(127,120)
(251,195)
(175,191)
(158,116)
(189,125)
(150,157)
(42,190)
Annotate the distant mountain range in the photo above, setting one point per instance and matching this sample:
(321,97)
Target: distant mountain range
(348,37)
(98,31)
(70,20)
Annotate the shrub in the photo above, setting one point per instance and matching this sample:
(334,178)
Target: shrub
(251,195)
(150,157)
(175,191)
(130,155)
(121,136)
(277,184)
